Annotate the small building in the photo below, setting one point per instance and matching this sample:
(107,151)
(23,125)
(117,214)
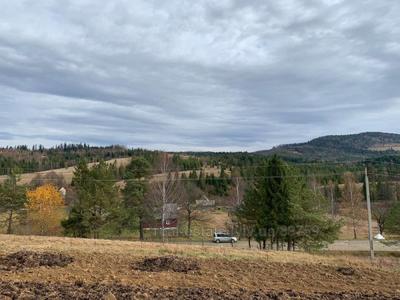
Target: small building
(63,192)
(204,202)
(170,218)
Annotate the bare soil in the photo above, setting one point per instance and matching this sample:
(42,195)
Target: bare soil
(103,269)
(29,290)
(348,271)
(167,263)
(29,259)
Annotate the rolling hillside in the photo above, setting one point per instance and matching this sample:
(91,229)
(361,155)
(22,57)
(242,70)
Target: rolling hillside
(341,147)
(66,173)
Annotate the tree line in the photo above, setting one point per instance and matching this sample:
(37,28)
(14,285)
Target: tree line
(279,209)
(39,158)
(276,205)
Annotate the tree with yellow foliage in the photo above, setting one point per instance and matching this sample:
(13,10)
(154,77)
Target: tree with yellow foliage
(45,209)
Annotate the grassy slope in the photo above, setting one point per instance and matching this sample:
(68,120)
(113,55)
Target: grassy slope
(221,267)
(67,173)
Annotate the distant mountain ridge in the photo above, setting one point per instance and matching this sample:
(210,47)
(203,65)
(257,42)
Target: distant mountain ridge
(340,147)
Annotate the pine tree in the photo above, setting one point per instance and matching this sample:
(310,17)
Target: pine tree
(393,220)
(267,202)
(201,183)
(310,227)
(97,205)
(282,208)
(12,199)
(193,175)
(135,190)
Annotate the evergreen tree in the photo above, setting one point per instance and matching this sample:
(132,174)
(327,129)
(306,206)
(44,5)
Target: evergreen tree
(12,199)
(193,175)
(282,208)
(222,183)
(267,201)
(98,205)
(135,190)
(393,220)
(202,180)
(310,228)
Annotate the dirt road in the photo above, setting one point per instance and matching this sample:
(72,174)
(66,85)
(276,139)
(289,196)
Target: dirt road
(363,245)
(339,245)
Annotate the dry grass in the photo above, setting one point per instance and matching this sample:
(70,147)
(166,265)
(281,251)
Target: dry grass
(346,232)
(11,243)
(67,173)
(224,268)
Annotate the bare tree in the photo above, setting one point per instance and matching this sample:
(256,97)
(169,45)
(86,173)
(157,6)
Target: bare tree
(380,212)
(318,197)
(165,189)
(239,186)
(331,192)
(48,178)
(190,193)
(352,200)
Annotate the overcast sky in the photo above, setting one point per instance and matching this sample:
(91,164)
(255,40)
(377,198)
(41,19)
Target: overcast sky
(197,75)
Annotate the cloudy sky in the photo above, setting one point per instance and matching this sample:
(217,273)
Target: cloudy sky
(197,75)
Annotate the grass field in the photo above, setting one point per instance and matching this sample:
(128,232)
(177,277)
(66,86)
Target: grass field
(67,173)
(225,273)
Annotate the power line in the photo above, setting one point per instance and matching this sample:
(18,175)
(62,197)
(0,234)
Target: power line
(227,178)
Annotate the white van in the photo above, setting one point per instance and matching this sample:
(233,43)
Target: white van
(221,237)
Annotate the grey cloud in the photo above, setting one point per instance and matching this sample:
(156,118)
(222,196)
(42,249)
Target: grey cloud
(208,75)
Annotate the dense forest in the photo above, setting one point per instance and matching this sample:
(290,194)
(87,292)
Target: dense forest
(39,158)
(340,147)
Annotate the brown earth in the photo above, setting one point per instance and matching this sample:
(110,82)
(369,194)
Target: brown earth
(104,268)
(29,259)
(167,263)
(348,271)
(78,290)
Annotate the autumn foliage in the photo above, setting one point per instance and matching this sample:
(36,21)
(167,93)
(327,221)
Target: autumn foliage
(45,209)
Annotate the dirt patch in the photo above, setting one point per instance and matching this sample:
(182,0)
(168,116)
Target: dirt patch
(29,259)
(31,290)
(101,266)
(167,263)
(348,271)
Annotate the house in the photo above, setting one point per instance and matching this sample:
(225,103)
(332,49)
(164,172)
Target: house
(170,218)
(204,202)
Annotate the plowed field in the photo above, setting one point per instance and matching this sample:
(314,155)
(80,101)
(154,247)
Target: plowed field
(130,270)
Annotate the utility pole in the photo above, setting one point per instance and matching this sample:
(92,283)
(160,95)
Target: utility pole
(370,237)
(164,202)
(164,169)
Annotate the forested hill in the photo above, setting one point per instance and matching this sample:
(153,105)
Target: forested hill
(343,148)
(39,158)
(340,147)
